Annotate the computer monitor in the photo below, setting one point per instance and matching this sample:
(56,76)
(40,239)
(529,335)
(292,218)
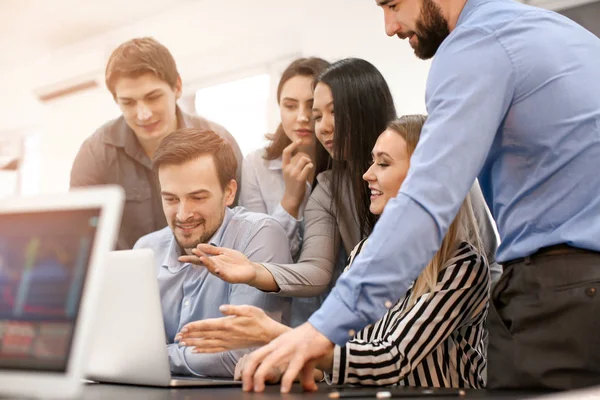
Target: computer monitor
(52,250)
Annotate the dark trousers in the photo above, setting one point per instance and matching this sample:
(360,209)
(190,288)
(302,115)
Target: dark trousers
(544,322)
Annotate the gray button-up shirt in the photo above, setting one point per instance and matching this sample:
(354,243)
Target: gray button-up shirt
(190,293)
(113,155)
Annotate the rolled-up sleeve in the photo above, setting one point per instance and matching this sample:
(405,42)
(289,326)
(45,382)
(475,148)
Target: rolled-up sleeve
(469,90)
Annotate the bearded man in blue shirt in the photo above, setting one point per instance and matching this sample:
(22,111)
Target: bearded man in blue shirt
(513,98)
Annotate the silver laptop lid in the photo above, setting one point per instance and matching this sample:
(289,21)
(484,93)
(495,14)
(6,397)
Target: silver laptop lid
(130,344)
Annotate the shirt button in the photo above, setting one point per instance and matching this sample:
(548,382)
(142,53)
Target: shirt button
(388,304)
(186,303)
(351,332)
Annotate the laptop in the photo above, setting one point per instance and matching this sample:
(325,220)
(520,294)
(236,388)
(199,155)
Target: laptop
(52,250)
(130,345)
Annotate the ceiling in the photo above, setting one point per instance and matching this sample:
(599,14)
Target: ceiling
(30,29)
(33,28)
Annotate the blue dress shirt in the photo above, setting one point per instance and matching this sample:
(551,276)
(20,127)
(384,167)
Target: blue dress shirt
(513,96)
(190,293)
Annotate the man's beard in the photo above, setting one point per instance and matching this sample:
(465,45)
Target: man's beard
(185,244)
(433,29)
(188,242)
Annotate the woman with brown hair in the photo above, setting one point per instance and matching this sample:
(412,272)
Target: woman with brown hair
(278,179)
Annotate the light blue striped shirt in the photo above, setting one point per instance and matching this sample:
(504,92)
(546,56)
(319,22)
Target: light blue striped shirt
(190,293)
(513,96)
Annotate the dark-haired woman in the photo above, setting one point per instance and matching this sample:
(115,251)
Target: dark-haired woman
(352,106)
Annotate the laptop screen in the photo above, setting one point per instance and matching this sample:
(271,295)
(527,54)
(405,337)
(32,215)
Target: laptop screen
(44,258)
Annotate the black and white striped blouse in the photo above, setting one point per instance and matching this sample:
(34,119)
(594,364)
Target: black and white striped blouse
(439,342)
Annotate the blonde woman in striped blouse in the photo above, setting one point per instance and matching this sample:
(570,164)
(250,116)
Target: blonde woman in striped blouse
(433,336)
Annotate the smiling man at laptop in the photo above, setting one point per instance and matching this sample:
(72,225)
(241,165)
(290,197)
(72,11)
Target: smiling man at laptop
(196,170)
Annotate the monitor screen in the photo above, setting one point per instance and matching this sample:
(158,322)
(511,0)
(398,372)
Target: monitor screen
(44,259)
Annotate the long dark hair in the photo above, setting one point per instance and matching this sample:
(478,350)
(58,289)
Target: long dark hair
(310,67)
(363,106)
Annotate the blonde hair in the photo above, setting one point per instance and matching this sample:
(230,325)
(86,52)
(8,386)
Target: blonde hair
(462,229)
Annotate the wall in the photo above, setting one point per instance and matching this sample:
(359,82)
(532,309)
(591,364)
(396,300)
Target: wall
(354,28)
(211,40)
(68,122)
(587,15)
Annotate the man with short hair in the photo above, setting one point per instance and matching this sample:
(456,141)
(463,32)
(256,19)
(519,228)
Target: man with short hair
(142,76)
(196,170)
(512,97)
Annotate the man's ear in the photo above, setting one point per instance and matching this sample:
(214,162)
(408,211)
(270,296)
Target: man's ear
(230,191)
(177,88)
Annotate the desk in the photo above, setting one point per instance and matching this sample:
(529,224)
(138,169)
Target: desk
(124,392)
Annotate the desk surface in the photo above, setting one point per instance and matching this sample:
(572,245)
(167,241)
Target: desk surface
(107,391)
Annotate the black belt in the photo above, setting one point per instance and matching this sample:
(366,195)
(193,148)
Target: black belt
(557,249)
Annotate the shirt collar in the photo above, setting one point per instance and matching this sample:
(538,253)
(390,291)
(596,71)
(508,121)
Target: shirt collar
(121,135)
(217,237)
(276,164)
(469,7)
(171,260)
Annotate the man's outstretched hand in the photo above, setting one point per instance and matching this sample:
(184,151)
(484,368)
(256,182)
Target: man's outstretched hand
(296,351)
